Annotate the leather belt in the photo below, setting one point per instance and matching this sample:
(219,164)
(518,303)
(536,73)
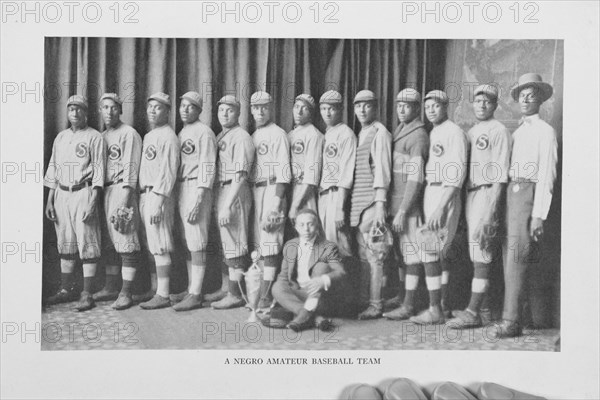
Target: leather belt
(521,180)
(187,179)
(476,188)
(434,183)
(224,183)
(107,184)
(265,183)
(330,189)
(75,188)
(146,189)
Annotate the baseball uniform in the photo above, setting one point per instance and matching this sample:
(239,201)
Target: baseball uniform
(306,149)
(339,156)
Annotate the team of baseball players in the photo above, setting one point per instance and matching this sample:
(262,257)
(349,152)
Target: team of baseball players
(369,190)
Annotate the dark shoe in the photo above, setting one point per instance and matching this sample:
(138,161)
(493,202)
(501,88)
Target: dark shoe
(276,323)
(464,319)
(429,317)
(123,302)
(323,324)
(486,316)
(63,296)
(229,301)
(265,303)
(215,296)
(492,391)
(374,311)
(190,302)
(304,320)
(86,302)
(141,298)
(506,329)
(176,298)
(451,391)
(393,303)
(155,303)
(105,295)
(401,313)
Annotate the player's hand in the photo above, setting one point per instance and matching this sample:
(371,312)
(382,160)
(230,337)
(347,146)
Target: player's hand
(340,218)
(89,212)
(292,214)
(314,286)
(399,221)
(50,211)
(224,216)
(194,213)
(156,211)
(536,229)
(380,213)
(438,219)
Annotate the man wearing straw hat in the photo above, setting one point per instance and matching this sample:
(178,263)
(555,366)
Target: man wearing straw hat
(529,195)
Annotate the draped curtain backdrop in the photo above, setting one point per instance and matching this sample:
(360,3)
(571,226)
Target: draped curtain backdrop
(136,68)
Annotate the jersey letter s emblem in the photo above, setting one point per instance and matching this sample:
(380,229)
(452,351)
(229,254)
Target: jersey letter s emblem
(188,147)
(81,150)
(298,146)
(150,152)
(331,150)
(263,148)
(482,142)
(114,152)
(437,149)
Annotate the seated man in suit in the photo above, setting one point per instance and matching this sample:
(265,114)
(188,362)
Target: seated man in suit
(312,277)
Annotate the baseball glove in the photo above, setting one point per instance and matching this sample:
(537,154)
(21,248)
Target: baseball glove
(273,221)
(122,219)
(488,235)
(379,242)
(431,241)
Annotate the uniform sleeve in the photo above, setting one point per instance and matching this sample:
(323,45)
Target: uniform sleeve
(313,158)
(132,157)
(51,179)
(455,169)
(348,158)
(243,155)
(281,149)
(167,174)
(207,159)
(382,150)
(418,156)
(546,174)
(98,160)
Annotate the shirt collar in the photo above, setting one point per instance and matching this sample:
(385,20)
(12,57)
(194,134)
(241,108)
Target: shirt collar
(530,119)
(309,243)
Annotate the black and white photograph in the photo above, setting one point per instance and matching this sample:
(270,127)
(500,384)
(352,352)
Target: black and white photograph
(300,199)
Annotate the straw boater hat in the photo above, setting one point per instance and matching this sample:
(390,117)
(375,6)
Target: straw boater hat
(535,81)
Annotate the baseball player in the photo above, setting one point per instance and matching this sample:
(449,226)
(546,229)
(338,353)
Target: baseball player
(123,155)
(372,176)
(528,196)
(445,173)
(75,177)
(233,201)
(270,177)
(339,155)
(306,153)
(410,151)
(490,144)
(158,172)
(195,180)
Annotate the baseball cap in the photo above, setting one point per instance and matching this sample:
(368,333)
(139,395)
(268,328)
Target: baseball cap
(161,98)
(365,95)
(307,99)
(438,95)
(331,97)
(194,98)
(259,98)
(408,96)
(229,100)
(489,90)
(112,96)
(78,100)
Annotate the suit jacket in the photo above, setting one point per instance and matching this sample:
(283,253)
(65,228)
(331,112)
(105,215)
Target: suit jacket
(323,251)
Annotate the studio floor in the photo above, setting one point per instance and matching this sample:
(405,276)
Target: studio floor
(107,329)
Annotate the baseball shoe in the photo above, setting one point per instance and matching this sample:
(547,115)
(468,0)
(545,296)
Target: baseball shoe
(393,303)
(155,303)
(176,298)
(400,313)
(86,302)
(464,319)
(429,317)
(506,329)
(63,296)
(304,320)
(265,304)
(323,324)
(190,302)
(229,301)
(271,322)
(105,295)
(123,302)
(215,296)
(372,312)
(141,298)
(486,316)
